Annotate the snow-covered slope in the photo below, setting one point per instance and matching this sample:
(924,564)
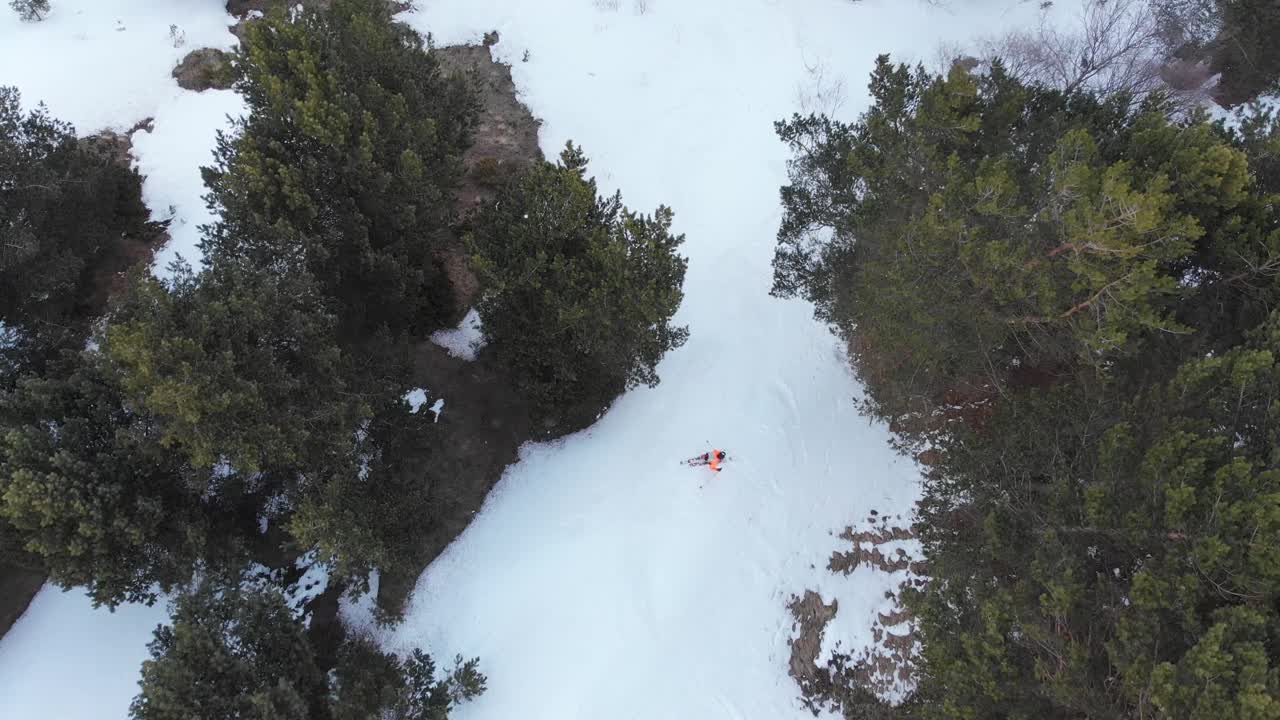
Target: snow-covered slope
(63,660)
(603,579)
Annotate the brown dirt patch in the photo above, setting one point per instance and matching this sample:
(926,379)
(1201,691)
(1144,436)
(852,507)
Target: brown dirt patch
(465,283)
(855,684)
(865,551)
(845,684)
(504,143)
(483,425)
(110,276)
(811,618)
(506,135)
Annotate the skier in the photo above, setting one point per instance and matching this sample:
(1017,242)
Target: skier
(711,459)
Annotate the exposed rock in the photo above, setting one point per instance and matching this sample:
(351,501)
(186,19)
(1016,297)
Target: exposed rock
(505,142)
(204,69)
(811,616)
(506,135)
(117,146)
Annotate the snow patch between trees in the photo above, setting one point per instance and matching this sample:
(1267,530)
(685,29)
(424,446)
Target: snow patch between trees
(417,398)
(465,340)
(170,157)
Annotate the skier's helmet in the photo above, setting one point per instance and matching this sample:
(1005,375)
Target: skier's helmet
(720,455)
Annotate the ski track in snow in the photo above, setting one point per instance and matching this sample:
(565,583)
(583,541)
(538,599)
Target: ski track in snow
(602,579)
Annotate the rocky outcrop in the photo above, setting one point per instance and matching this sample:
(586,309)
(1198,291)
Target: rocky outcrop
(204,69)
(505,142)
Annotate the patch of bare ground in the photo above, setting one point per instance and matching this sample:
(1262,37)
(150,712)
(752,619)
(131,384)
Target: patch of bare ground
(858,683)
(480,432)
(486,420)
(18,585)
(866,551)
(505,143)
(811,617)
(111,274)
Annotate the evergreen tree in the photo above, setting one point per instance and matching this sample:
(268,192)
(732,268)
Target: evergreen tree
(240,367)
(1070,301)
(1005,233)
(30,10)
(92,493)
(1245,52)
(231,654)
(346,162)
(578,291)
(372,684)
(376,517)
(236,652)
(65,206)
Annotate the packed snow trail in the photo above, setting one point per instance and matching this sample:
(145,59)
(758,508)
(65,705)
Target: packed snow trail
(599,581)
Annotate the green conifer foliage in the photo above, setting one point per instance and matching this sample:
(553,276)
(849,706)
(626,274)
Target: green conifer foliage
(65,206)
(1071,300)
(91,491)
(578,291)
(346,162)
(231,654)
(975,230)
(240,365)
(239,652)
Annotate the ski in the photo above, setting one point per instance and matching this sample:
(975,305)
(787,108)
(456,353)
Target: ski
(699,461)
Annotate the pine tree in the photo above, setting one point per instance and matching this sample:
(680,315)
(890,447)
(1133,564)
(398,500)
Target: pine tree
(986,233)
(92,493)
(65,207)
(347,161)
(375,518)
(1070,300)
(578,291)
(237,651)
(1243,52)
(231,653)
(240,367)
(406,689)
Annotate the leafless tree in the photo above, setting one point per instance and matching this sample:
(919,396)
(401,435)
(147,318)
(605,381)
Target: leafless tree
(1113,47)
(823,92)
(1108,47)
